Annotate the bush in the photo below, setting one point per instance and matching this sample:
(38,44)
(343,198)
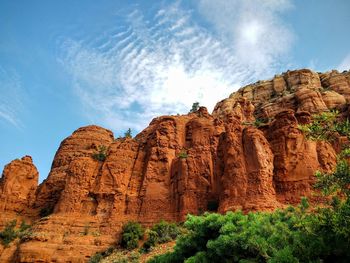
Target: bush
(345,153)
(290,235)
(131,234)
(295,234)
(336,183)
(24,231)
(183,155)
(100,255)
(124,257)
(96,258)
(24,227)
(235,237)
(343,128)
(322,127)
(152,240)
(161,232)
(134,257)
(166,231)
(101,155)
(8,234)
(108,251)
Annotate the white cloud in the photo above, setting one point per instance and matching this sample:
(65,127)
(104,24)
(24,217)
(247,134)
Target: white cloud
(158,66)
(313,64)
(11,97)
(254,28)
(345,64)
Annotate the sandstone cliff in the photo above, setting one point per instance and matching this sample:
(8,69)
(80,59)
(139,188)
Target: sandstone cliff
(177,165)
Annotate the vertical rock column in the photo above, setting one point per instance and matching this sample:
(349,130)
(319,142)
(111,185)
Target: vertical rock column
(233,179)
(17,186)
(193,176)
(259,166)
(295,159)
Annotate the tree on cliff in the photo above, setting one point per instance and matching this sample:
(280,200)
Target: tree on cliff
(195,107)
(128,134)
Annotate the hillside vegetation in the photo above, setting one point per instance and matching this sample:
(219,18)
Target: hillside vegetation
(294,234)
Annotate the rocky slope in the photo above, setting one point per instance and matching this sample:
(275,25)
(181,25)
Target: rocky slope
(177,165)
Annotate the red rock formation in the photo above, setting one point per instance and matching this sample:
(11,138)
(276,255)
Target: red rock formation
(83,143)
(17,188)
(295,158)
(177,165)
(299,90)
(17,192)
(260,194)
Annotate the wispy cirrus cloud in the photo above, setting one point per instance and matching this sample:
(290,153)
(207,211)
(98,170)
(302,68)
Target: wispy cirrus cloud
(260,38)
(158,65)
(11,97)
(345,64)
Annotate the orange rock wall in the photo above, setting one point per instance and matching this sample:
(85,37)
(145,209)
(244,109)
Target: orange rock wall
(177,165)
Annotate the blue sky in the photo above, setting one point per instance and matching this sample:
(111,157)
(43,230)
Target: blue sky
(118,64)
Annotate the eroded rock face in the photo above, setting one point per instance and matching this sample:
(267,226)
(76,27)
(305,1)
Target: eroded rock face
(177,165)
(295,158)
(238,107)
(261,193)
(299,90)
(18,184)
(82,143)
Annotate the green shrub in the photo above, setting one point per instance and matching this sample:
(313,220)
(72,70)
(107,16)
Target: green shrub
(337,182)
(123,257)
(345,153)
(96,258)
(24,231)
(152,240)
(290,235)
(24,227)
(259,122)
(165,258)
(183,154)
(161,232)
(166,231)
(131,234)
(100,255)
(295,234)
(343,128)
(101,155)
(322,127)
(108,251)
(8,234)
(134,257)
(235,237)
